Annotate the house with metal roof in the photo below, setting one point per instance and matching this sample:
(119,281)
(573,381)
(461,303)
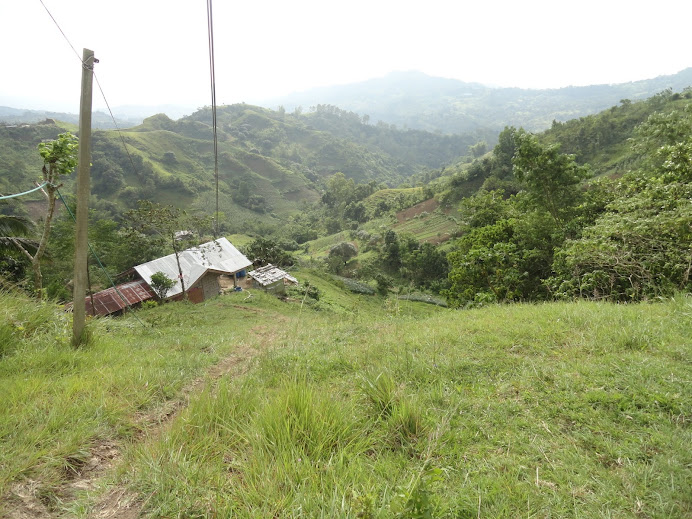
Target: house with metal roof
(201,267)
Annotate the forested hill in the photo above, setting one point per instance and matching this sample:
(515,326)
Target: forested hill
(269,161)
(415,100)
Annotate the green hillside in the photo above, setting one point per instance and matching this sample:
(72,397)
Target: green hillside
(347,406)
(269,161)
(529,394)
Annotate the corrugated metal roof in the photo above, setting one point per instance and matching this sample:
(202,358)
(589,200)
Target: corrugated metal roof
(218,255)
(270,274)
(111,300)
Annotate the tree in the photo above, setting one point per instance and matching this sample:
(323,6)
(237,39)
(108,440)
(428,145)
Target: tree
(639,247)
(504,151)
(479,149)
(59,159)
(161,284)
(551,178)
(169,226)
(390,256)
(263,251)
(424,264)
(170,158)
(356,211)
(343,251)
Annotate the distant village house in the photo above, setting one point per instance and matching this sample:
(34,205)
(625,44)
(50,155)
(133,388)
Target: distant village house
(201,267)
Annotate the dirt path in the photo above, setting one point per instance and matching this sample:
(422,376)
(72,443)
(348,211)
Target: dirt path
(26,499)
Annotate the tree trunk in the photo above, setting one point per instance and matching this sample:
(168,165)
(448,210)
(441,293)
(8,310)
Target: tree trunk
(38,277)
(36,258)
(180,272)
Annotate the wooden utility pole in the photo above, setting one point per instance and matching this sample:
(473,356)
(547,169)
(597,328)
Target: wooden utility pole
(83,192)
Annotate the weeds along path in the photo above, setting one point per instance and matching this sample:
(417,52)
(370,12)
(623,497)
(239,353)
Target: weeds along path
(27,500)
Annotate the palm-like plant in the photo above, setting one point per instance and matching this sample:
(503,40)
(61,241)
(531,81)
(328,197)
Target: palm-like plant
(13,235)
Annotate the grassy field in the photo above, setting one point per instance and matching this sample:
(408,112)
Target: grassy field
(360,406)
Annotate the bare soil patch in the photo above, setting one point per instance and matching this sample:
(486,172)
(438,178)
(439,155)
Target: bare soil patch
(427,206)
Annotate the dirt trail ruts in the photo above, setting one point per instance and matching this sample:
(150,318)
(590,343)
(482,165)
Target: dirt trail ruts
(26,500)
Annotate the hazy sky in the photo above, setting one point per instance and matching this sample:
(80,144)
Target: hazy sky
(155,51)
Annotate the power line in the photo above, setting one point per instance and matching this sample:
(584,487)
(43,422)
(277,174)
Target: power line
(120,133)
(6,197)
(61,31)
(210,34)
(110,279)
(98,83)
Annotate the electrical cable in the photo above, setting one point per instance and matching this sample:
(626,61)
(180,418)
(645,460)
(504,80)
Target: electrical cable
(120,133)
(6,197)
(98,260)
(122,138)
(61,31)
(212,73)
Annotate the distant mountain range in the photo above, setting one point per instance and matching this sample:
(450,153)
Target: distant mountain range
(418,101)
(415,100)
(125,116)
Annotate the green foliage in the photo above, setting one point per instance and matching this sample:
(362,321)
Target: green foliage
(551,178)
(263,251)
(491,173)
(13,239)
(619,241)
(60,155)
(602,139)
(390,256)
(59,159)
(166,225)
(423,263)
(639,247)
(161,284)
(384,284)
(508,246)
(342,252)
(305,290)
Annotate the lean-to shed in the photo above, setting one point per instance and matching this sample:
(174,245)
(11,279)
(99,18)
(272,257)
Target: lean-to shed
(271,278)
(115,299)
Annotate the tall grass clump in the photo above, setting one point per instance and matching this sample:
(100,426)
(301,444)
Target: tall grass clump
(304,423)
(23,320)
(294,443)
(380,391)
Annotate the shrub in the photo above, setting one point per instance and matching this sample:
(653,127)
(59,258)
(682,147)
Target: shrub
(161,284)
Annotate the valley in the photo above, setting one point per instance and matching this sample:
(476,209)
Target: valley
(492,323)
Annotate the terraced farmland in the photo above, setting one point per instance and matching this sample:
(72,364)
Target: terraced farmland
(434,227)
